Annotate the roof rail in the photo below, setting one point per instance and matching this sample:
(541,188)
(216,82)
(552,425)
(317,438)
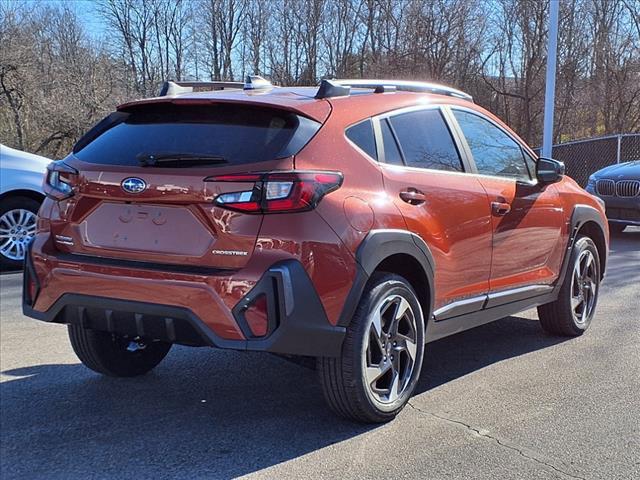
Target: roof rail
(253,82)
(176,88)
(335,88)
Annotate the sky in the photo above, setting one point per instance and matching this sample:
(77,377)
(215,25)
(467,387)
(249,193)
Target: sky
(87,11)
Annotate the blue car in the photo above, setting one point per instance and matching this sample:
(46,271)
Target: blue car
(619,187)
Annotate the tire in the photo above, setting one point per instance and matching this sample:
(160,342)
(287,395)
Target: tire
(566,316)
(344,382)
(108,353)
(13,243)
(615,227)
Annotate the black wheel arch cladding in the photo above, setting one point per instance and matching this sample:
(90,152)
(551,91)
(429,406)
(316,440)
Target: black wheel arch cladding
(378,246)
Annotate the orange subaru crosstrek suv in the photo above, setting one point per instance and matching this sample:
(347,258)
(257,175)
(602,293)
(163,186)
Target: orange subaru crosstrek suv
(353,223)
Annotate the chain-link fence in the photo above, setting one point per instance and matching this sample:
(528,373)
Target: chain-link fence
(584,157)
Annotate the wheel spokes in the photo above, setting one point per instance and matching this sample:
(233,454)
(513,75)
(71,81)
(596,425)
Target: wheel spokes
(17,227)
(376,326)
(21,215)
(9,219)
(405,344)
(20,250)
(394,389)
(583,287)
(401,309)
(391,349)
(576,301)
(588,268)
(576,280)
(374,373)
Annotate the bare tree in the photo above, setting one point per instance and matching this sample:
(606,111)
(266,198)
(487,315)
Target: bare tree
(53,81)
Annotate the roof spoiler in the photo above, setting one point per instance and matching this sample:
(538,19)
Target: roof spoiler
(252,82)
(339,88)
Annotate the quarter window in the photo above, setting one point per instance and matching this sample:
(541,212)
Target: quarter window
(426,141)
(362,135)
(494,152)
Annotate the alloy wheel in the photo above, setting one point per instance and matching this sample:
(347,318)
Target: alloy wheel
(584,287)
(17,227)
(390,349)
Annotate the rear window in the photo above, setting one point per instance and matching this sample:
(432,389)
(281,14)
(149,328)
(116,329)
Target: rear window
(234,134)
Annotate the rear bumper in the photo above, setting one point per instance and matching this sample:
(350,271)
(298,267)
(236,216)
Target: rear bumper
(196,310)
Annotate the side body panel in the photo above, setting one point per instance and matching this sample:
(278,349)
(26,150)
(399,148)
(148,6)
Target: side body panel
(527,241)
(454,221)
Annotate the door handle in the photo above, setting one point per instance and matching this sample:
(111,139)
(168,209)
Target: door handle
(413,196)
(500,209)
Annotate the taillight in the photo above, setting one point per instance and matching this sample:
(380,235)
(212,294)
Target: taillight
(59,180)
(278,192)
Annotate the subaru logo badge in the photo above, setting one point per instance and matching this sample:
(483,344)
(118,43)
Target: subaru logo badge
(133,185)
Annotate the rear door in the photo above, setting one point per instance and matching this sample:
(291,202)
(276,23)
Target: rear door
(527,217)
(143,193)
(425,176)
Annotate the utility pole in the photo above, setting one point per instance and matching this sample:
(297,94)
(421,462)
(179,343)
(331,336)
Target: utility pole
(550,85)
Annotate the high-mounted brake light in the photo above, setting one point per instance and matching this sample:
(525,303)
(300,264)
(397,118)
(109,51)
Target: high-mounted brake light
(59,180)
(277,192)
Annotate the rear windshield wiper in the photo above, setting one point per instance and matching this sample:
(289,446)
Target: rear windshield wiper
(178,159)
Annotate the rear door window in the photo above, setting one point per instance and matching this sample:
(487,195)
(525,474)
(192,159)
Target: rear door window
(425,140)
(232,134)
(391,152)
(362,135)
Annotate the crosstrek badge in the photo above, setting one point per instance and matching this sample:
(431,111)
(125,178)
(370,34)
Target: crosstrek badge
(235,253)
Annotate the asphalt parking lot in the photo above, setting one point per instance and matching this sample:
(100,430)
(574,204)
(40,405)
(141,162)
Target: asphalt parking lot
(501,401)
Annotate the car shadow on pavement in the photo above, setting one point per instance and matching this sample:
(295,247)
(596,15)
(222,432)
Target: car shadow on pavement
(470,351)
(203,412)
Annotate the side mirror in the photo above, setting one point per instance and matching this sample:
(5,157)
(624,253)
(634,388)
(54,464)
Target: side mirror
(549,170)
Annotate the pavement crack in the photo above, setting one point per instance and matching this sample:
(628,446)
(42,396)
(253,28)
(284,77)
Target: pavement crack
(498,441)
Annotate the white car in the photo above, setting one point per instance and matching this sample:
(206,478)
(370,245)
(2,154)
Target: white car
(21,176)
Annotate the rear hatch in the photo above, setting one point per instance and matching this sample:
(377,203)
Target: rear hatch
(142,194)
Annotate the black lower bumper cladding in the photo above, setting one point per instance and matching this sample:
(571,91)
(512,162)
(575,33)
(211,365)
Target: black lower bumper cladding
(297,321)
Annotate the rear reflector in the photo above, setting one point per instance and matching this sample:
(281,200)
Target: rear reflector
(257,317)
(278,192)
(30,284)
